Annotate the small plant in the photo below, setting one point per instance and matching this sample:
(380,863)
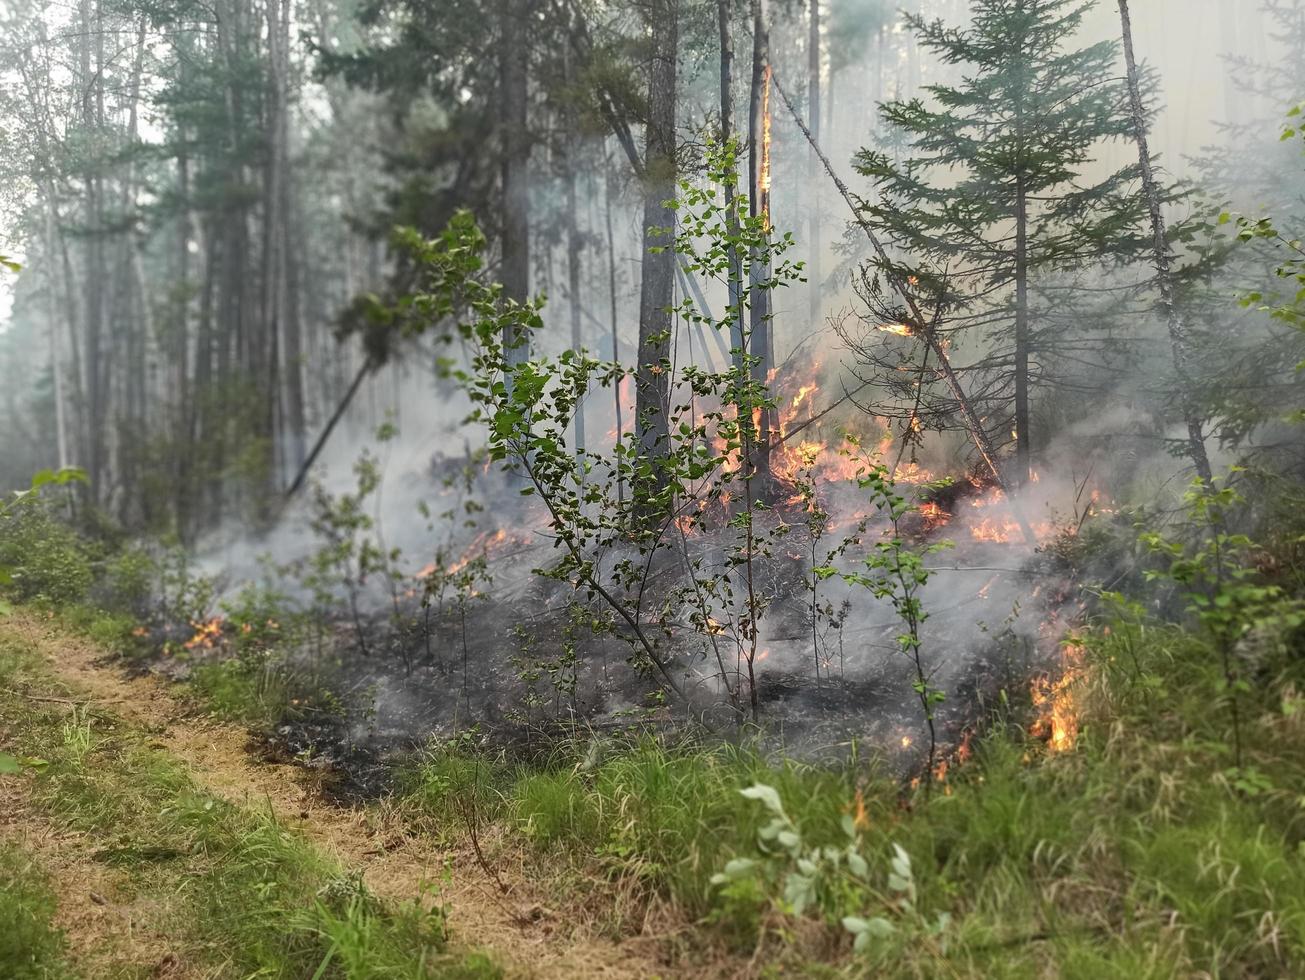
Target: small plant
(896,572)
(1223,589)
(701,458)
(798,876)
(347,554)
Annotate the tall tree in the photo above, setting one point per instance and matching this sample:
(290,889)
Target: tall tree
(995,190)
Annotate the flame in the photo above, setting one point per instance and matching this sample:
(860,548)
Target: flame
(901,329)
(483,544)
(207,634)
(1054,698)
(934,516)
(802,394)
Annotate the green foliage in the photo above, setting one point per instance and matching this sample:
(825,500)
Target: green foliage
(894,571)
(839,880)
(130,581)
(41,556)
(1224,589)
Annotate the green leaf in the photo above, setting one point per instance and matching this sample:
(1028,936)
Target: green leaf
(9,766)
(767,795)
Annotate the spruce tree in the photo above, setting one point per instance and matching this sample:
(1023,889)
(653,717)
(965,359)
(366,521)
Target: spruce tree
(993,193)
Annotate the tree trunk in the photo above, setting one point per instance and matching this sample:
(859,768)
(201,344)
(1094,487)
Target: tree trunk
(93,257)
(813,186)
(616,339)
(56,354)
(656,289)
(1179,343)
(759,342)
(735,285)
(515,206)
(573,287)
(1022,442)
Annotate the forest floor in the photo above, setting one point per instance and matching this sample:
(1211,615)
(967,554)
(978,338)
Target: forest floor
(118,924)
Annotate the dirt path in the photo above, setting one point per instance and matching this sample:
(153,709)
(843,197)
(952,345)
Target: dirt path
(518,929)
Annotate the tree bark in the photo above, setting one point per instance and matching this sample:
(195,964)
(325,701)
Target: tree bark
(759,341)
(813,186)
(515,207)
(735,285)
(1179,343)
(656,289)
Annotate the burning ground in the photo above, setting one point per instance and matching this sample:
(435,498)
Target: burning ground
(370,660)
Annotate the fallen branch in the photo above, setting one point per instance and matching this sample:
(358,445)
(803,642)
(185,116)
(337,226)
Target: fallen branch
(930,337)
(302,475)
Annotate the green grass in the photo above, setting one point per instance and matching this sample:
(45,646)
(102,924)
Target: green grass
(1141,852)
(240,893)
(30,945)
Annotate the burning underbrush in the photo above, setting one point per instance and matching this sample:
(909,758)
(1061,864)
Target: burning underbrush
(474,640)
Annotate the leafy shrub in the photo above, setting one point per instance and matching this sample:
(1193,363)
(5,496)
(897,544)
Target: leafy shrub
(44,558)
(130,581)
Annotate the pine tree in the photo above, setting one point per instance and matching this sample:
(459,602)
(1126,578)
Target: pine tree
(992,193)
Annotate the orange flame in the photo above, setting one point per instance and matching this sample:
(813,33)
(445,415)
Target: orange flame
(207,634)
(1057,722)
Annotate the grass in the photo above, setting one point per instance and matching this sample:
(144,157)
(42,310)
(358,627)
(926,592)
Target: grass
(31,947)
(233,889)
(1141,852)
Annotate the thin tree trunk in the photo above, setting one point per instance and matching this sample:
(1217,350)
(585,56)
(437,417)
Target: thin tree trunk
(1179,342)
(616,339)
(759,341)
(1022,440)
(515,210)
(657,285)
(93,283)
(56,358)
(813,186)
(573,285)
(735,285)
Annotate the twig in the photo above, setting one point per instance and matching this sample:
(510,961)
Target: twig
(54,700)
